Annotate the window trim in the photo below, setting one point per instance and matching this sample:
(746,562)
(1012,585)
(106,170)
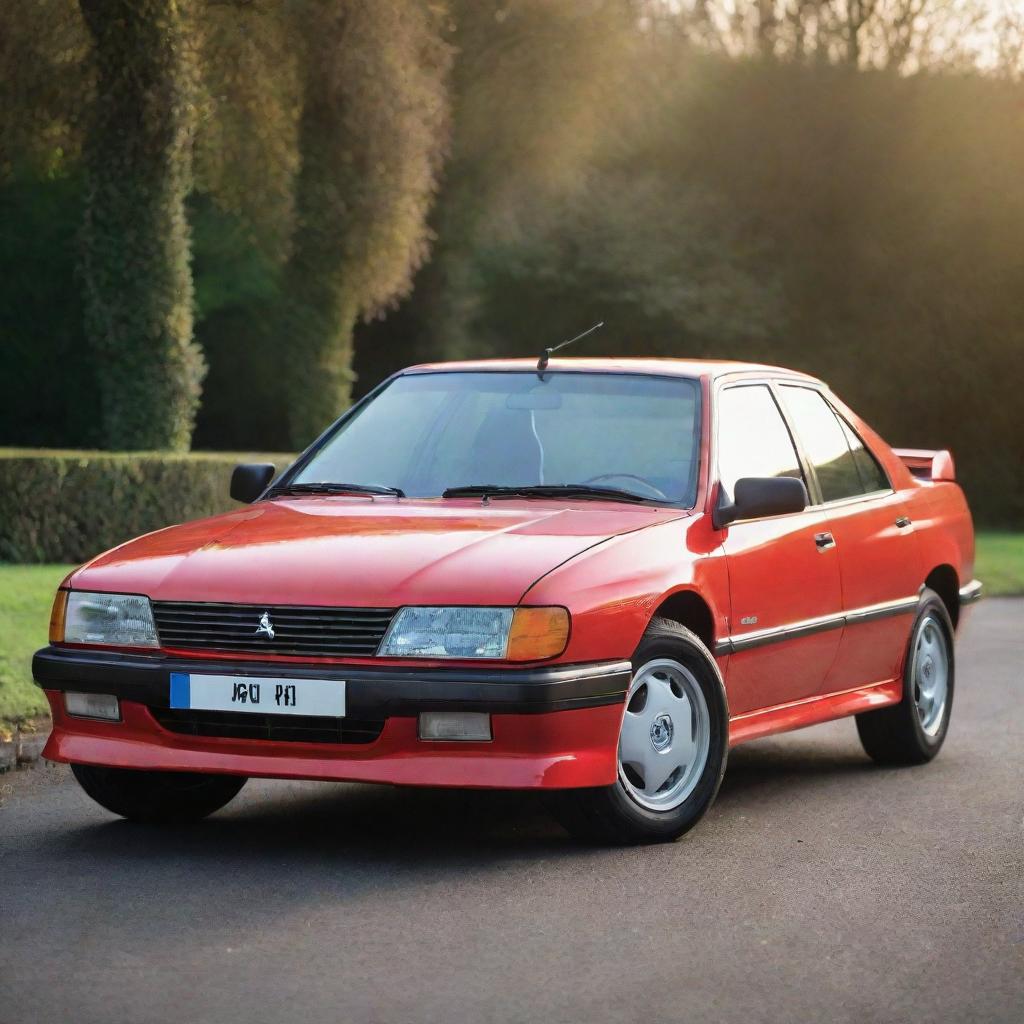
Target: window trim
(817,495)
(774,384)
(767,383)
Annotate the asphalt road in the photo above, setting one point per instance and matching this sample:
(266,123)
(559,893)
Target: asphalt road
(819,888)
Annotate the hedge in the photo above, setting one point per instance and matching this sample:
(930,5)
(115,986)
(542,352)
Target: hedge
(66,506)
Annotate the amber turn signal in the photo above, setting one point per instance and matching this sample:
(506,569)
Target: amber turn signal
(57,613)
(537,633)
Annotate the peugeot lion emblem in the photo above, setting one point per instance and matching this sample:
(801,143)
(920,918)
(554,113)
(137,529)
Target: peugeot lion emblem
(266,627)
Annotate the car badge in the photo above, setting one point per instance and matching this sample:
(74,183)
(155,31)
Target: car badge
(266,627)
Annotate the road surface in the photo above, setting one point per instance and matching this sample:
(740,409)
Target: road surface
(819,888)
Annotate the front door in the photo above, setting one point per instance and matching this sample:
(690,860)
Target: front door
(784,584)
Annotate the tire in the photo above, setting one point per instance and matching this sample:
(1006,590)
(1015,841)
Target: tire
(157,797)
(669,660)
(912,732)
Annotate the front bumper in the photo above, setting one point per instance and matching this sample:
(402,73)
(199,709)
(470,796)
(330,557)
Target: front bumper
(553,727)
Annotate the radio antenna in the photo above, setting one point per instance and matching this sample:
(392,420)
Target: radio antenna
(545,356)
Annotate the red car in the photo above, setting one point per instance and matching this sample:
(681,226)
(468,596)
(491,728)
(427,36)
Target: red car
(591,577)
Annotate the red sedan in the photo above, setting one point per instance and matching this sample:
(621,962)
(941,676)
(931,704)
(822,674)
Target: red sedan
(591,577)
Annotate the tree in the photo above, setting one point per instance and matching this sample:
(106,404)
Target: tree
(246,152)
(43,53)
(135,252)
(372,136)
(901,35)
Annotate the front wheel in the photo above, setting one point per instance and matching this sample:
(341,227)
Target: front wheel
(157,797)
(673,745)
(912,731)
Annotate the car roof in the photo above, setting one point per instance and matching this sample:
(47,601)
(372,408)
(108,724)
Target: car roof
(709,368)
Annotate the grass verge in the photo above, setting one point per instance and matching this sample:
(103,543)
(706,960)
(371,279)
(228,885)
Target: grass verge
(26,592)
(999,563)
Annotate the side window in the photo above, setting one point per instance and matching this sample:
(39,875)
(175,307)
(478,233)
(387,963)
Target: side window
(753,439)
(872,476)
(824,441)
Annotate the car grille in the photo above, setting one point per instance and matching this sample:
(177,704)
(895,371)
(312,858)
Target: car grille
(283,728)
(314,632)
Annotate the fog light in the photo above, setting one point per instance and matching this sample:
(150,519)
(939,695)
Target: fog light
(93,705)
(455,725)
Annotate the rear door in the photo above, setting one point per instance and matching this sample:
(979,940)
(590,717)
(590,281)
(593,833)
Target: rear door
(786,617)
(873,536)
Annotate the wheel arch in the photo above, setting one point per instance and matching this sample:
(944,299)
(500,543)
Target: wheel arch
(689,609)
(943,579)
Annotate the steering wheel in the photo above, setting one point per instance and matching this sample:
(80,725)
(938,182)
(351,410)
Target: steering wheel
(654,492)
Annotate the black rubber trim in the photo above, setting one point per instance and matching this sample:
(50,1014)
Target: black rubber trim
(369,691)
(735,644)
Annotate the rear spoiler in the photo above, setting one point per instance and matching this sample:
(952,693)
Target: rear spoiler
(927,465)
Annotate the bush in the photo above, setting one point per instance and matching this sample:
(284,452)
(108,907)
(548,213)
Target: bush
(68,506)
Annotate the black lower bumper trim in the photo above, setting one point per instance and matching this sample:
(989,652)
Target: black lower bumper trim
(370,692)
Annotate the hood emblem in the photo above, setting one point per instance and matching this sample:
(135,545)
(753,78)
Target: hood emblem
(266,627)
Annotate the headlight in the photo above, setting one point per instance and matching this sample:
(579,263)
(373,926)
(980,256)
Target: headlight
(113,620)
(515,634)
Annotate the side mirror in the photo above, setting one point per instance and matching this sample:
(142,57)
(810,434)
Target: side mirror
(758,497)
(250,479)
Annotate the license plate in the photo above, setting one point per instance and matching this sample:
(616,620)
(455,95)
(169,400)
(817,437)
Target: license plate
(263,694)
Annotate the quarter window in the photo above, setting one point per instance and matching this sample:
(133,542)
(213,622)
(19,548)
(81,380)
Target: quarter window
(824,440)
(753,439)
(872,476)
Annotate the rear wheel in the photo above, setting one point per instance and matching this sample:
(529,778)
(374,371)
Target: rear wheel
(156,797)
(912,732)
(673,745)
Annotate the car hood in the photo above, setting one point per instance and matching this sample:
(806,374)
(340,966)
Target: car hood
(364,552)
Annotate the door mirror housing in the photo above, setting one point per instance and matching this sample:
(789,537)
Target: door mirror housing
(250,479)
(759,497)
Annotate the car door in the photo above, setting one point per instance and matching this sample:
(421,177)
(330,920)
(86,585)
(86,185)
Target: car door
(878,555)
(784,587)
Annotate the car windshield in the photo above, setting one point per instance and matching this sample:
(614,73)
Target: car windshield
(427,433)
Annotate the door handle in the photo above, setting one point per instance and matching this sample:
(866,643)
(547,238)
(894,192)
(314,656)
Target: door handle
(824,541)
(903,522)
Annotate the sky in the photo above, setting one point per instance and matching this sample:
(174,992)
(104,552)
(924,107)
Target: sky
(975,27)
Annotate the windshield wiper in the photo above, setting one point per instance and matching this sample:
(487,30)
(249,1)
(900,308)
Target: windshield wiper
(543,491)
(331,488)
